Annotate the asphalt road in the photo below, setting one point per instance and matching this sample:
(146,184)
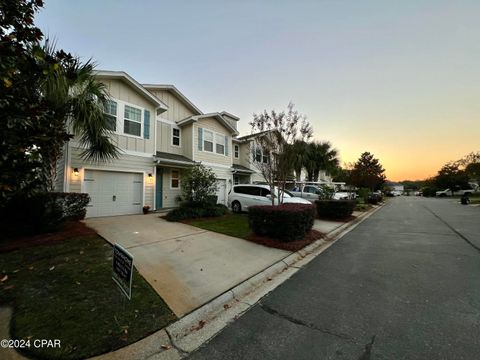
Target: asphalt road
(404,284)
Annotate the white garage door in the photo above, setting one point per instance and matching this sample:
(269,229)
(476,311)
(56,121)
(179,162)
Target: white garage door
(113,193)
(221,191)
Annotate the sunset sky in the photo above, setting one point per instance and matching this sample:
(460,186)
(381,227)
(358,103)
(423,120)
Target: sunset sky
(400,79)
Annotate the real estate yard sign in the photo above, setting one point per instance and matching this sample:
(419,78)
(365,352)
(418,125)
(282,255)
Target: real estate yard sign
(123,269)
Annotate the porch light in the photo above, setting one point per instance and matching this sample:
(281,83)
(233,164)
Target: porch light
(75,171)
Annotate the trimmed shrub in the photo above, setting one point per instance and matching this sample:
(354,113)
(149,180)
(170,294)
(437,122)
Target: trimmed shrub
(73,204)
(287,222)
(335,209)
(43,212)
(196,211)
(215,210)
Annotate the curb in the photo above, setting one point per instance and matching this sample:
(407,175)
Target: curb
(198,327)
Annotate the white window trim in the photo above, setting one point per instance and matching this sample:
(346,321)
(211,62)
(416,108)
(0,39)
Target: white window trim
(172,178)
(261,155)
(214,138)
(236,151)
(141,121)
(121,118)
(179,136)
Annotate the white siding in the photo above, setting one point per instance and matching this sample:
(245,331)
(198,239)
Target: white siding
(212,157)
(119,90)
(126,163)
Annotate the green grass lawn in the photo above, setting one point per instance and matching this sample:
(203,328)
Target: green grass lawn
(65,291)
(232,224)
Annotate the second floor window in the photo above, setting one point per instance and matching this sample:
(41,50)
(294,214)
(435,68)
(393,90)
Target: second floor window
(132,124)
(220,144)
(260,156)
(237,152)
(207,141)
(176,137)
(110,109)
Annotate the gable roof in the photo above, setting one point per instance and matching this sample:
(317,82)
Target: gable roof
(177,93)
(217,116)
(252,136)
(122,75)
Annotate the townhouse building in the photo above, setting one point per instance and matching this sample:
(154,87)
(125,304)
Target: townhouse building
(159,132)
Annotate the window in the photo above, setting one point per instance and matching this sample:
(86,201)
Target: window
(220,144)
(110,109)
(175,183)
(175,137)
(237,152)
(132,124)
(236,180)
(247,190)
(266,157)
(207,141)
(257,156)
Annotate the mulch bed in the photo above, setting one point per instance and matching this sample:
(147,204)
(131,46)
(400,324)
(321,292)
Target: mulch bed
(69,230)
(312,236)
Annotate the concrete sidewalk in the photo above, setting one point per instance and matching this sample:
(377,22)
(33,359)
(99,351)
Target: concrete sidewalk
(188,266)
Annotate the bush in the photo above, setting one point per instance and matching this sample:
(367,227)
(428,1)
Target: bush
(73,204)
(196,210)
(287,222)
(43,212)
(429,191)
(335,209)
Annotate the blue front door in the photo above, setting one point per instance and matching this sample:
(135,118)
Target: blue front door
(159,189)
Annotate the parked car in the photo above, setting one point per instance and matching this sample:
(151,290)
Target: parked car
(241,197)
(344,195)
(308,192)
(312,193)
(459,192)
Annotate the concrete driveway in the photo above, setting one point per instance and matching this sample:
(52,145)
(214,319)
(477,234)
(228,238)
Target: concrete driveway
(187,266)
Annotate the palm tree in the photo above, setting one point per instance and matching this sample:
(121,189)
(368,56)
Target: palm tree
(320,156)
(299,149)
(77,100)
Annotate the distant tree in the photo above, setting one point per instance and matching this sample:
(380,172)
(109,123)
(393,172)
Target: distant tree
(320,156)
(367,172)
(473,171)
(278,131)
(471,164)
(450,176)
(198,183)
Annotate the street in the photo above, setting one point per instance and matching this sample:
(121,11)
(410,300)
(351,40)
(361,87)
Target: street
(404,284)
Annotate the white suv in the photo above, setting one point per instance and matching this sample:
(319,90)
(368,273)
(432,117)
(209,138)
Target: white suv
(241,197)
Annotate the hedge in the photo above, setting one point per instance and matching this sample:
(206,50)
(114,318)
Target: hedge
(335,209)
(192,212)
(43,212)
(287,222)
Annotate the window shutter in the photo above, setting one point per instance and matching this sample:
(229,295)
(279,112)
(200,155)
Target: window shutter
(200,139)
(226,145)
(146,124)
